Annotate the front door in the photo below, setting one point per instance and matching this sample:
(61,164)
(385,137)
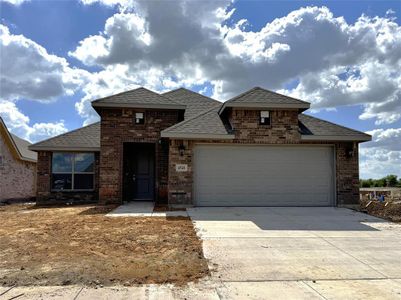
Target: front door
(139,165)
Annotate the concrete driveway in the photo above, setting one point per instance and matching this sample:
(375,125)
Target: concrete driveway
(315,253)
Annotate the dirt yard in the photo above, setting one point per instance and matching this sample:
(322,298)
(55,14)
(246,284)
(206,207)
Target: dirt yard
(391,211)
(80,245)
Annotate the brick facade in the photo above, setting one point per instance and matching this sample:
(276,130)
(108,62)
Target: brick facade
(17,177)
(118,127)
(247,128)
(347,174)
(283,130)
(44,194)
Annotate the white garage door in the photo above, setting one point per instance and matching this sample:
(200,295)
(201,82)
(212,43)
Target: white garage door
(263,175)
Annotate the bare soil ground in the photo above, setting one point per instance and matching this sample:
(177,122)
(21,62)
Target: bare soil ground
(391,211)
(80,245)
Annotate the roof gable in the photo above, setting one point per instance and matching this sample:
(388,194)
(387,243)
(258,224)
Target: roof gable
(262,98)
(206,125)
(82,139)
(18,146)
(138,98)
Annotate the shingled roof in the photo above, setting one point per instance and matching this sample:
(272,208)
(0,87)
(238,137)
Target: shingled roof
(262,98)
(82,139)
(19,147)
(138,98)
(206,125)
(313,128)
(202,120)
(195,103)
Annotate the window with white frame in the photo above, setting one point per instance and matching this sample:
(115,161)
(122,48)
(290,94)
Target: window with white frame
(265,117)
(139,118)
(73,171)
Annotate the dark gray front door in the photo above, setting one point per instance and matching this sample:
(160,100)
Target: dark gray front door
(139,165)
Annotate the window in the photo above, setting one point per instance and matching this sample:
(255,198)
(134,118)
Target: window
(265,117)
(139,118)
(73,171)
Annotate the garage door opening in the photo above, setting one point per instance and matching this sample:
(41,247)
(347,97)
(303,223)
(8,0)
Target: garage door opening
(236,175)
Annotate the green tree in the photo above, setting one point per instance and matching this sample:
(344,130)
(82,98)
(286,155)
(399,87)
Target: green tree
(391,180)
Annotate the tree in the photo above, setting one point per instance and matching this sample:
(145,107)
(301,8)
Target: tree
(391,180)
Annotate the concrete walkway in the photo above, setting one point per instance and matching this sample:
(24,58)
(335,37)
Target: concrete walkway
(142,209)
(300,253)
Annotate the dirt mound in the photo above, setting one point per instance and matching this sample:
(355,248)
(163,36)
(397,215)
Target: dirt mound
(80,245)
(387,210)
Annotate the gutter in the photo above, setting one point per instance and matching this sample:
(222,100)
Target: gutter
(339,138)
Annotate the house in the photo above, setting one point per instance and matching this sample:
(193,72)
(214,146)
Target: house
(17,167)
(257,149)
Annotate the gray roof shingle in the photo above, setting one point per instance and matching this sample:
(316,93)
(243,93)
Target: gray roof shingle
(195,103)
(22,146)
(84,139)
(259,97)
(139,97)
(207,124)
(311,126)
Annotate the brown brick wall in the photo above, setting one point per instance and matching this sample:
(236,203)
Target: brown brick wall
(347,174)
(117,127)
(247,127)
(44,194)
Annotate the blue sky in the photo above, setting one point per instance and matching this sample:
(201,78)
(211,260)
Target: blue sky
(67,44)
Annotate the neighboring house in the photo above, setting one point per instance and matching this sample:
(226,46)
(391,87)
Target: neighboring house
(17,167)
(257,149)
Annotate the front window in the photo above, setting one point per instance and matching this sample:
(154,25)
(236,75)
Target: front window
(73,171)
(265,117)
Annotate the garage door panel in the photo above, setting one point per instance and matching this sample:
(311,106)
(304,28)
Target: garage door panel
(263,175)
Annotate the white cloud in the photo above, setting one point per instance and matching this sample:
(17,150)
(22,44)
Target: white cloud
(122,3)
(14,2)
(336,63)
(19,124)
(28,71)
(382,156)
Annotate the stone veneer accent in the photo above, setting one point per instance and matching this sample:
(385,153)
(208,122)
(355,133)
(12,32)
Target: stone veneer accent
(117,127)
(283,130)
(17,177)
(44,194)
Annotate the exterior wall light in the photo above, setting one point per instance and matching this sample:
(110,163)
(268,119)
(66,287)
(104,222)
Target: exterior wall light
(181,149)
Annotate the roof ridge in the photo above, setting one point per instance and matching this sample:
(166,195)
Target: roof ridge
(286,96)
(192,118)
(338,125)
(188,90)
(65,133)
(242,94)
(136,89)
(265,90)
